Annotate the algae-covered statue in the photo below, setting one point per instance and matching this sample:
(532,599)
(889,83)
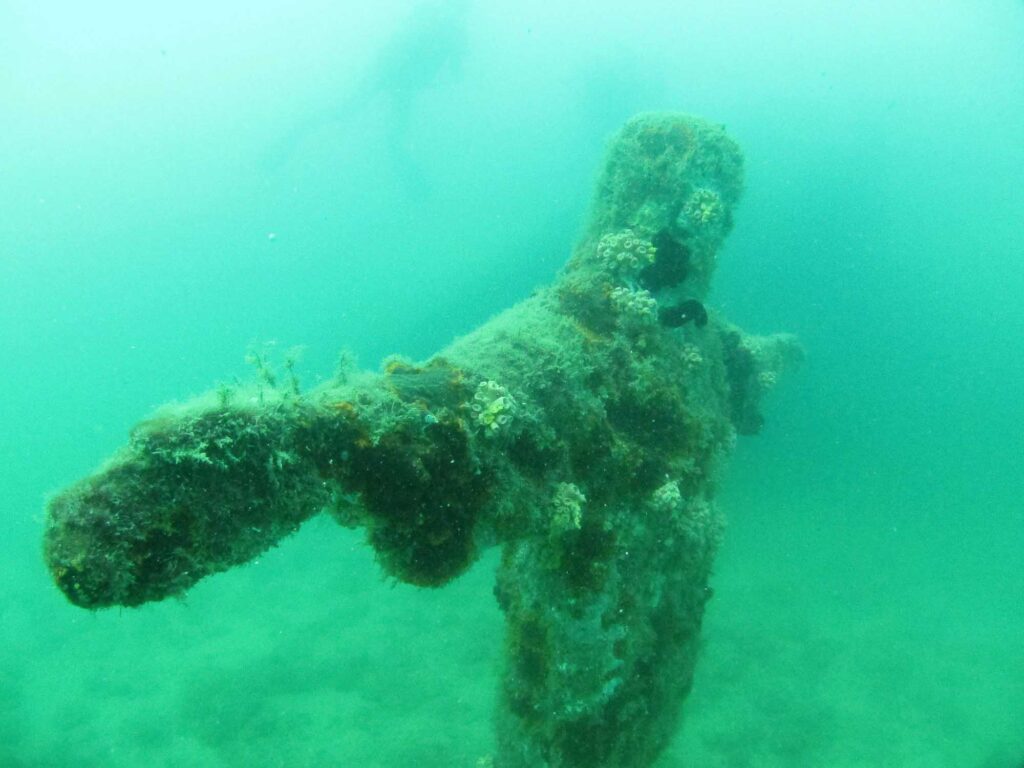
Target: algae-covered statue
(582,431)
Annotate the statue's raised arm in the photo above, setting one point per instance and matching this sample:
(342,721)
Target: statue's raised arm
(582,430)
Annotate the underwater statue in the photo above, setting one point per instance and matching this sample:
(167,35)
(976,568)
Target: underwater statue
(583,431)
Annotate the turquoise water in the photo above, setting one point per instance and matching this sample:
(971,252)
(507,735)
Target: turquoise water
(178,185)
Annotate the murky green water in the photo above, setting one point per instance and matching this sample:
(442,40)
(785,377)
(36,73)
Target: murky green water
(178,184)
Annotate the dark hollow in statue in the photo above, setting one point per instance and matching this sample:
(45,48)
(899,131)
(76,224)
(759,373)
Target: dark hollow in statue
(575,430)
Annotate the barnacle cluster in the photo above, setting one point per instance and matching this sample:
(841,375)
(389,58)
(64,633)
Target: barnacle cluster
(692,357)
(767,380)
(667,499)
(493,406)
(567,508)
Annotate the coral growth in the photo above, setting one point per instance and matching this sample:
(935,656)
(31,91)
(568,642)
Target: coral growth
(624,254)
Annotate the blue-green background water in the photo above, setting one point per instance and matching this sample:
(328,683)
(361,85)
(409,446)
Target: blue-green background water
(179,181)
